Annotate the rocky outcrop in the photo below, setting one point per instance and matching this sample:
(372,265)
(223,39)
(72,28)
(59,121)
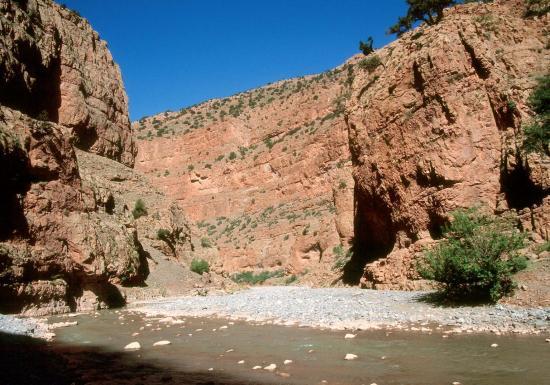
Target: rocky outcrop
(439,128)
(54,67)
(59,88)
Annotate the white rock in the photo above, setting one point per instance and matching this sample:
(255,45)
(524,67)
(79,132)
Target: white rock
(230,350)
(63,324)
(270,367)
(240,362)
(198,330)
(287,362)
(494,345)
(350,357)
(456,383)
(135,334)
(162,343)
(349,336)
(133,346)
(210,369)
(223,327)
(547,340)
(256,367)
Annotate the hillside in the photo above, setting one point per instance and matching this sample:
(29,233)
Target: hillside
(430,123)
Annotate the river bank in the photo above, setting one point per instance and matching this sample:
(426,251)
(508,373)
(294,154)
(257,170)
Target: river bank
(353,309)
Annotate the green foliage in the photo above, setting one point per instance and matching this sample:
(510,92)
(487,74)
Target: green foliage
(537,133)
(205,242)
(370,63)
(366,48)
(536,7)
(200,266)
(476,258)
(342,185)
(163,234)
(253,279)
(232,155)
(428,11)
(190,167)
(293,278)
(342,257)
(139,209)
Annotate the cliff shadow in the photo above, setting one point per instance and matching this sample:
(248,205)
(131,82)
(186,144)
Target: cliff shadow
(31,361)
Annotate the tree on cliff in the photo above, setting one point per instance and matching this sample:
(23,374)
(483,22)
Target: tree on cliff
(366,48)
(429,11)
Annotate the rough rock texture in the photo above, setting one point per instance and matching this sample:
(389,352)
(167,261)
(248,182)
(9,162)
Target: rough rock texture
(59,87)
(265,174)
(437,126)
(54,67)
(434,126)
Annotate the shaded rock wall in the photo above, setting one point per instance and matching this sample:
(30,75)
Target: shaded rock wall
(59,88)
(439,128)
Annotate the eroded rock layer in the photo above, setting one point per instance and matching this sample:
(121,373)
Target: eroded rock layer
(59,88)
(427,124)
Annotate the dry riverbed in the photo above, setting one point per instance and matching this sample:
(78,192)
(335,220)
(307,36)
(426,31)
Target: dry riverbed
(353,309)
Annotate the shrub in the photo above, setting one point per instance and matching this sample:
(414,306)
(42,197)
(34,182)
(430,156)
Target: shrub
(232,155)
(476,258)
(370,63)
(252,279)
(200,266)
(537,133)
(428,11)
(342,259)
(139,209)
(366,48)
(205,242)
(536,7)
(163,234)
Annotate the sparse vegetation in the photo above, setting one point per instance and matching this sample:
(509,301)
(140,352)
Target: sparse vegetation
(370,63)
(536,7)
(428,11)
(476,258)
(366,48)
(253,279)
(206,243)
(537,132)
(200,266)
(139,209)
(342,257)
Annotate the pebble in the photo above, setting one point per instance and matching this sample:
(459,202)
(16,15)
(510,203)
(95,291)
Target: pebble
(349,336)
(547,340)
(270,367)
(162,343)
(63,324)
(494,345)
(133,346)
(456,383)
(223,327)
(240,362)
(283,374)
(287,362)
(135,334)
(210,369)
(350,356)
(256,367)
(230,350)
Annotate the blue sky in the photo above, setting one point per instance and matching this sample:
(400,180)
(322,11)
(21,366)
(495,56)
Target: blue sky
(175,53)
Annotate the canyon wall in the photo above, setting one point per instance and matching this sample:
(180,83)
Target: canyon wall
(364,161)
(63,245)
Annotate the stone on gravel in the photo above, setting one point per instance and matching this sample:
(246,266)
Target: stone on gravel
(256,367)
(133,346)
(287,362)
(270,367)
(349,336)
(350,356)
(162,343)
(494,345)
(240,362)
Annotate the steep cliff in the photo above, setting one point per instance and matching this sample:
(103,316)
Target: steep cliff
(427,124)
(59,88)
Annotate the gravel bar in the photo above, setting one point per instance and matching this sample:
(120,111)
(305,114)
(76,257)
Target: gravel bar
(30,327)
(351,308)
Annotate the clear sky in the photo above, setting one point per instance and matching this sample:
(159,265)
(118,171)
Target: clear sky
(175,53)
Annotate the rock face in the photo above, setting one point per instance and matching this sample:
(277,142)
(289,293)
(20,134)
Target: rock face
(428,124)
(55,67)
(265,174)
(437,126)
(59,87)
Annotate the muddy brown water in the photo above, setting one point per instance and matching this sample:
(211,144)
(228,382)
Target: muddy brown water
(318,355)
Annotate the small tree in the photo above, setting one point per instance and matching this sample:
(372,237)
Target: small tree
(428,11)
(366,48)
(139,209)
(476,258)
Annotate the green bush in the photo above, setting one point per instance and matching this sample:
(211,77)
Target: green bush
(200,266)
(476,258)
(163,234)
(205,242)
(366,48)
(536,7)
(232,155)
(250,278)
(139,209)
(537,133)
(370,63)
